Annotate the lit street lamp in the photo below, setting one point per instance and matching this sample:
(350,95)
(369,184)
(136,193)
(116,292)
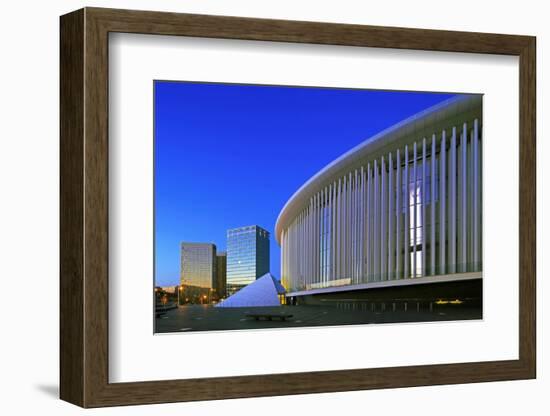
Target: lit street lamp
(180,289)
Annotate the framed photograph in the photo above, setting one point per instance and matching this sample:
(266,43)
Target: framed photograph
(255,207)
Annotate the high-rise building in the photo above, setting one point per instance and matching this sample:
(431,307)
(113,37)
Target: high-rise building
(221,274)
(198,270)
(247,256)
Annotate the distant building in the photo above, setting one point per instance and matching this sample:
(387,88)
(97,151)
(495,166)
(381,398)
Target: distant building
(247,256)
(166,294)
(198,272)
(221,274)
(169,289)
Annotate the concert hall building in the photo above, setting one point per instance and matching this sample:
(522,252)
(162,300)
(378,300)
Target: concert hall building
(398,216)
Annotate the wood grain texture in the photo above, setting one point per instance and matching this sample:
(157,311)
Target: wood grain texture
(96,207)
(527,208)
(71,208)
(84,207)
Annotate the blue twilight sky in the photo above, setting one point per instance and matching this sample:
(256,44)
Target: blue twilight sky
(229,155)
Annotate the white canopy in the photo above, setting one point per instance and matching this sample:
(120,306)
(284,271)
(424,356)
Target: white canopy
(264,291)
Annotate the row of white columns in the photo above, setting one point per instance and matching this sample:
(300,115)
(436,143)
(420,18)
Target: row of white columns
(368,225)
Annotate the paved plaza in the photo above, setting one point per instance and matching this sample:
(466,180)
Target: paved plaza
(208,318)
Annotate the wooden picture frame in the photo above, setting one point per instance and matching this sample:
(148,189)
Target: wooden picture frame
(84,207)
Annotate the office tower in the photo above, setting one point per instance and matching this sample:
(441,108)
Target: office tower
(198,264)
(247,256)
(221,274)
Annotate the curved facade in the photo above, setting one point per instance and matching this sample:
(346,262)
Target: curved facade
(403,204)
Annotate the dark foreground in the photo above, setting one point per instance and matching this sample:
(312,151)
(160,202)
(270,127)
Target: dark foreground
(209,318)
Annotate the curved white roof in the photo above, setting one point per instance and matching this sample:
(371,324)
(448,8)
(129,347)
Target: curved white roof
(450,112)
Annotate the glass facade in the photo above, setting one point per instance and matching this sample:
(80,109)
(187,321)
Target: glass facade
(198,265)
(247,256)
(418,201)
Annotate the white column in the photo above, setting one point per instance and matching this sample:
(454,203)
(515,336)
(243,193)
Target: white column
(329,235)
(356,227)
(303,242)
(342,219)
(315,239)
(353,225)
(305,248)
(398,211)
(338,231)
(287,263)
(325,239)
(303,261)
(471,202)
(282,265)
(312,240)
(300,237)
(452,201)
(359,228)
(442,204)
(311,250)
(423,202)
(333,232)
(376,225)
(414,200)
(295,271)
(391,217)
(362,232)
(351,221)
(293,253)
(382,240)
(407,225)
(477,212)
(288,255)
(296,255)
(342,227)
(348,228)
(303,239)
(311,261)
(321,234)
(299,249)
(433,207)
(326,233)
(345,223)
(368,240)
(308,244)
(287,258)
(464,199)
